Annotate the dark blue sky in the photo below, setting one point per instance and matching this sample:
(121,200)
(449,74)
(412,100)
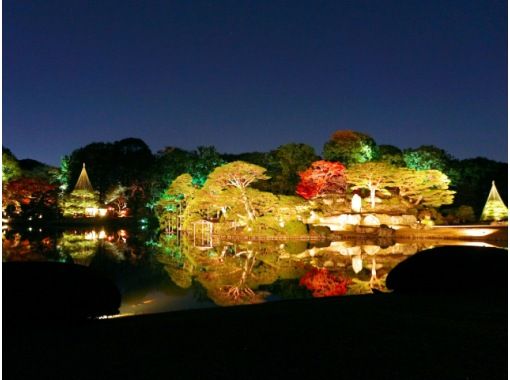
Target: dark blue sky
(252,75)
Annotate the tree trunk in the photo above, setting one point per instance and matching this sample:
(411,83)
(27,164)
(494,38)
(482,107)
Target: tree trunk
(247,206)
(372,196)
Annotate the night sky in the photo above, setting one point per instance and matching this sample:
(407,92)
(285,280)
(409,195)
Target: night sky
(252,75)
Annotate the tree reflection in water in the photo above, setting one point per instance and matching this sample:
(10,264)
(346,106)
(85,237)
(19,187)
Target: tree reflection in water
(236,273)
(173,274)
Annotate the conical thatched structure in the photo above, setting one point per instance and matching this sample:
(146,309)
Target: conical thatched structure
(82,200)
(83,182)
(495,208)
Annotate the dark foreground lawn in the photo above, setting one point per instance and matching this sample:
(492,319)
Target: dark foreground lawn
(361,337)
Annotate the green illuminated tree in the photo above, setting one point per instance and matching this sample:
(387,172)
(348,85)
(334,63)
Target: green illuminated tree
(350,147)
(173,202)
(429,157)
(10,166)
(61,176)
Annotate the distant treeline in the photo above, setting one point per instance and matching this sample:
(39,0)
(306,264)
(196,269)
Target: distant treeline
(129,164)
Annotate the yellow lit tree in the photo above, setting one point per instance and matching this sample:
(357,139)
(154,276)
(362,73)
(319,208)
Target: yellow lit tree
(424,188)
(373,176)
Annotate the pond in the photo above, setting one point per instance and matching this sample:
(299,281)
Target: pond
(170,273)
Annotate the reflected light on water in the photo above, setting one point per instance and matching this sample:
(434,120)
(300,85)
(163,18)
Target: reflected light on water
(479,232)
(90,235)
(122,315)
(478,244)
(357,264)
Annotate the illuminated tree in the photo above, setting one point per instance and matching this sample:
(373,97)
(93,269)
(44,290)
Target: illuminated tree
(29,195)
(10,166)
(322,179)
(61,176)
(116,196)
(75,203)
(237,175)
(429,157)
(350,147)
(424,187)
(173,202)
(373,176)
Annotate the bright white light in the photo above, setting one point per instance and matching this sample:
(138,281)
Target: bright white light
(90,235)
(357,263)
(479,231)
(91,211)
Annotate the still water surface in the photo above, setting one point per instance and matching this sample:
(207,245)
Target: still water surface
(158,274)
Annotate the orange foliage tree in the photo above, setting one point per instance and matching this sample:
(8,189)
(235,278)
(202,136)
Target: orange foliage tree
(29,192)
(323,283)
(322,178)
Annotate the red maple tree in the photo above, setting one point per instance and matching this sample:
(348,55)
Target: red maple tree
(25,191)
(323,283)
(322,178)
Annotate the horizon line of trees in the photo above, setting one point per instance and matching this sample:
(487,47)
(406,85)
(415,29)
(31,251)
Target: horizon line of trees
(127,168)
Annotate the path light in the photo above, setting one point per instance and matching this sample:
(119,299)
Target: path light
(102,234)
